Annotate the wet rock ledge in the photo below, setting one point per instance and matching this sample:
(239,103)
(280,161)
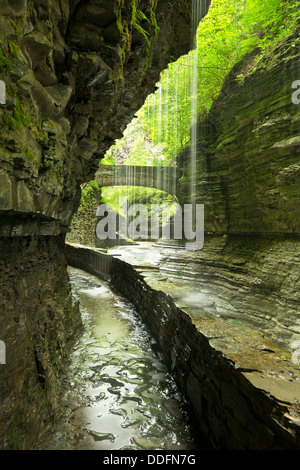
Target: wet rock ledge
(243,388)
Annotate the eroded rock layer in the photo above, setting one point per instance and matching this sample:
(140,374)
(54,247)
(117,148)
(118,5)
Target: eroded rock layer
(248,149)
(243,388)
(39,323)
(248,179)
(74,73)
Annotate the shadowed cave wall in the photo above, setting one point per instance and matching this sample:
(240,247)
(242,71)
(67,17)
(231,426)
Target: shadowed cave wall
(248,270)
(75,73)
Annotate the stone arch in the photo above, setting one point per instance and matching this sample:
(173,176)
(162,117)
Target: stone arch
(158,177)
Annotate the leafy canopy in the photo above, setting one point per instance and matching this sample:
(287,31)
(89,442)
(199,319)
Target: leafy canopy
(189,86)
(230,30)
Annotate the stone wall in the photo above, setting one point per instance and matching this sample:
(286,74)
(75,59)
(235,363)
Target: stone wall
(39,324)
(248,150)
(75,73)
(89,259)
(241,396)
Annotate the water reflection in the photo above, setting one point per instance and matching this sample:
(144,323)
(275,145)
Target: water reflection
(120,396)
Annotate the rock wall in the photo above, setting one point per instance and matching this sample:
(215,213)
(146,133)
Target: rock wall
(247,278)
(75,72)
(83,225)
(248,179)
(241,397)
(90,260)
(248,149)
(39,324)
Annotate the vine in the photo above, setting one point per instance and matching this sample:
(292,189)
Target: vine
(7,53)
(127,26)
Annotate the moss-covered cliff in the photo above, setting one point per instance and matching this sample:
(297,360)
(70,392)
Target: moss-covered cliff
(248,148)
(75,74)
(248,178)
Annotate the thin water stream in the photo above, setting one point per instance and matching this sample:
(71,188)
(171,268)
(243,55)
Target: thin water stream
(120,395)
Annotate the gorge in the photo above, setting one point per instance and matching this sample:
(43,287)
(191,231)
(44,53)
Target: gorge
(76,72)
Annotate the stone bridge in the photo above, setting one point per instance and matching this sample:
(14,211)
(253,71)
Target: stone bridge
(163,178)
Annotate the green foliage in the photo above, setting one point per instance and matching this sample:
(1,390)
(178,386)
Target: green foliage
(162,128)
(19,117)
(230,30)
(8,51)
(128,23)
(88,193)
(135,148)
(135,195)
(108,158)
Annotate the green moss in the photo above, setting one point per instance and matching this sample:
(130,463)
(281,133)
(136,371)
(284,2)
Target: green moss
(126,29)
(8,120)
(8,51)
(19,117)
(5,63)
(29,154)
(88,194)
(17,28)
(16,436)
(39,133)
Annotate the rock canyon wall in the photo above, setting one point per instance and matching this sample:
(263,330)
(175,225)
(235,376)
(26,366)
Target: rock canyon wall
(248,178)
(75,72)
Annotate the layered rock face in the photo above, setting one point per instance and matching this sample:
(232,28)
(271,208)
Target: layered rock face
(39,323)
(241,387)
(248,179)
(248,149)
(75,72)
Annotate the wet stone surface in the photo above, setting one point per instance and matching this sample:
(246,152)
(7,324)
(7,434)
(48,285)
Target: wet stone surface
(119,394)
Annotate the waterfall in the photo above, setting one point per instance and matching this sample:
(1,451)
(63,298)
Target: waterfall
(166,130)
(196,16)
(176,124)
(159,133)
(167,117)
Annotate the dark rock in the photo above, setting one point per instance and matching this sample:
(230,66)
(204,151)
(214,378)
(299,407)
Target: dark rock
(39,324)
(76,75)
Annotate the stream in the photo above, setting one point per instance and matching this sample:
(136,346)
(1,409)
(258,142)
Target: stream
(120,394)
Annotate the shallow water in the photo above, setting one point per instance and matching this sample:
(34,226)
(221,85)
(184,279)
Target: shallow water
(120,395)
